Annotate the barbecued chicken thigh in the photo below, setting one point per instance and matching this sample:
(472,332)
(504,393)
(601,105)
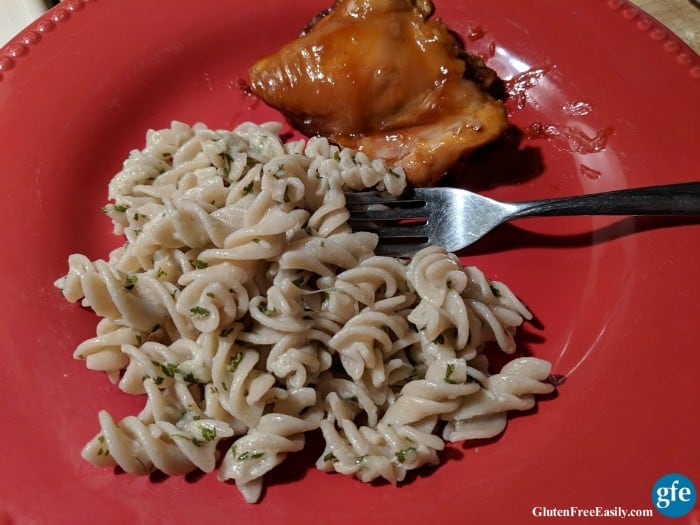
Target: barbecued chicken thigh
(384,77)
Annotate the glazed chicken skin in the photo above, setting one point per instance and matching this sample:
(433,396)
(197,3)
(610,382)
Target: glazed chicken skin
(382,77)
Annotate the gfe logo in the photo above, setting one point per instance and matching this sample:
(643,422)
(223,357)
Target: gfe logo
(673,495)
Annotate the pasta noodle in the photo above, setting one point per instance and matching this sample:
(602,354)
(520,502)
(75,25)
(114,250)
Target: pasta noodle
(247,312)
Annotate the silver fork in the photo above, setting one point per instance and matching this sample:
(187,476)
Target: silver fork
(455,218)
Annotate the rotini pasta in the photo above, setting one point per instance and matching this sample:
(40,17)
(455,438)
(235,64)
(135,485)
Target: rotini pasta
(246,311)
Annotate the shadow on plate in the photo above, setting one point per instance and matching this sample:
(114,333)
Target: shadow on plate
(512,237)
(472,444)
(505,161)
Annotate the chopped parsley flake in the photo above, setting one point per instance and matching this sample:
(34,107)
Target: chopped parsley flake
(209,433)
(169,369)
(235,361)
(265,310)
(199,264)
(199,311)
(401,454)
(249,455)
(131,281)
(227,160)
(249,188)
(190,379)
(226,331)
(448,374)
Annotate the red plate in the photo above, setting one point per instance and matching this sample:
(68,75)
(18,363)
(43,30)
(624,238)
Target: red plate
(617,299)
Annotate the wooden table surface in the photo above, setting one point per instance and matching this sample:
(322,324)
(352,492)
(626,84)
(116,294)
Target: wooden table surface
(680,16)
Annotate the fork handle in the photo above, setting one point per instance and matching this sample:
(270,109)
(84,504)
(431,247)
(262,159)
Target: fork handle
(670,199)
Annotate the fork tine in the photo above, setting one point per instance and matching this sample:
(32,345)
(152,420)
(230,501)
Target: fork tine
(400,250)
(379,206)
(401,222)
(413,233)
(390,214)
(377,197)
